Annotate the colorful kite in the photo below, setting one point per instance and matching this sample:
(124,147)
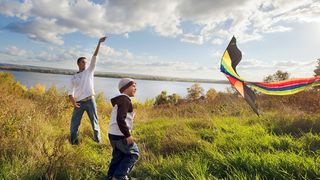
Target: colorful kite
(232,57)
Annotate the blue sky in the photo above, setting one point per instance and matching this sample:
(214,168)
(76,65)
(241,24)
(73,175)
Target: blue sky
(180,38)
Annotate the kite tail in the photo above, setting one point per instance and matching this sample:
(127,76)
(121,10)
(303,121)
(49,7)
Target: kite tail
(232,57)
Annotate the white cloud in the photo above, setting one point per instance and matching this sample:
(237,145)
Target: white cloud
(15,51)
(249,20)
(310,13)
(275,65)
(219,19)
(157,67)
(110,60)
(15,8)
(124,61)
(192,39)
(294,64)
(127,16)
(54,56)
(40,29)
(110,53)
(126,35)
(217,41)
(256,70)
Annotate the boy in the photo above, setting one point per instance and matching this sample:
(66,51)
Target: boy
(125,151)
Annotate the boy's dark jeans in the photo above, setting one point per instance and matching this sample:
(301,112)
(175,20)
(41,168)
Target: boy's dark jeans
(124,157)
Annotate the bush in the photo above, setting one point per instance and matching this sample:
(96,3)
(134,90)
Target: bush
(211,94)
(163,98)
(195,92)
(278,76)
(37,90)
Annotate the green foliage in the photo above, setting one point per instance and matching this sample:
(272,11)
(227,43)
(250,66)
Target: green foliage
(9,85)
(195,92)
(278,76)
(163,98)
(37,90)
(211,94)
(149,102)
(218,139)
(174,98)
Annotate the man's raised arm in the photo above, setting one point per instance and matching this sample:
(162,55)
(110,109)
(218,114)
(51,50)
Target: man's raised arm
(98,46)
(94,57)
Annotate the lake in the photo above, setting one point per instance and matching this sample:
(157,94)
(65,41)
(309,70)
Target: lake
(146,89)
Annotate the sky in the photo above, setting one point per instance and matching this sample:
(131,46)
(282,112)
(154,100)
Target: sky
(179,38)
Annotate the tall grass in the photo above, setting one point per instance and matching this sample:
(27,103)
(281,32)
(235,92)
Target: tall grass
(218,138)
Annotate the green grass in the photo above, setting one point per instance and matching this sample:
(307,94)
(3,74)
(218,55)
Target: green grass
(217,139)
(224,147)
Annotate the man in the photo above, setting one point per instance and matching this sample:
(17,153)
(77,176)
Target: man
(81,95)
(125,151)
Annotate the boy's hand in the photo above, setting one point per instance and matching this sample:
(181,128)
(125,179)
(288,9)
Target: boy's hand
(130,140)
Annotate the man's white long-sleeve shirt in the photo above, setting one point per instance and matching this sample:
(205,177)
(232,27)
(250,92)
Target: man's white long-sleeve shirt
(81,84)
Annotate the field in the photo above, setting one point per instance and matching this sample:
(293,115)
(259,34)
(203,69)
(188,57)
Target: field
(217,138)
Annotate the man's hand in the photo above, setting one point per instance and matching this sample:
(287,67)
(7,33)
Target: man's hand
(102,39)
(98,46)
(73,101)
(130,140)
(76,105)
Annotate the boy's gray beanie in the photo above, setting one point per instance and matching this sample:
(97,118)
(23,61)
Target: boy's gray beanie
(125,83)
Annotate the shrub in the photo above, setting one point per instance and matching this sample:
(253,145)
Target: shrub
(37,90)
(278,76)
(163,98)
(211,94)
(195,92)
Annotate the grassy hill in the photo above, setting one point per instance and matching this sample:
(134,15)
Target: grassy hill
(205,139)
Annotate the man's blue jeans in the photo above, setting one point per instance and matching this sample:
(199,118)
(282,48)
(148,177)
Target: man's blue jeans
(91,108)
(124,157)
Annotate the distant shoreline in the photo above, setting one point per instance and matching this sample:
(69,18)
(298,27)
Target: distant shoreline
(47,70)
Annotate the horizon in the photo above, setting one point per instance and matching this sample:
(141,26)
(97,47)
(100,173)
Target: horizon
(184,40)
(54,70)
